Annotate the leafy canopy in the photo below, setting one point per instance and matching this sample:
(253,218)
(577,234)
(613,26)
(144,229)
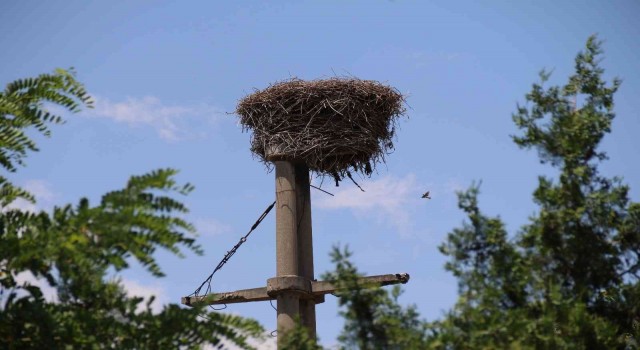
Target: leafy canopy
(21,109)
(74,248)
(569,278)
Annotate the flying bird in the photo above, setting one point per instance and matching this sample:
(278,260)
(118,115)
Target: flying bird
(426,195)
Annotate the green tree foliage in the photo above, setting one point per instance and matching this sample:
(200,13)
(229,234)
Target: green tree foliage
(298,339)
(74,248)
(569,279)
(21,109)
(373,316)
(374,319)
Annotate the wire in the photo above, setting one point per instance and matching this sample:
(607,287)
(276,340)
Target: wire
(231,252)
(222,308)
(242,240)
(275,331)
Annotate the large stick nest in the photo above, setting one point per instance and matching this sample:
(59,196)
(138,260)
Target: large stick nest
(336,126)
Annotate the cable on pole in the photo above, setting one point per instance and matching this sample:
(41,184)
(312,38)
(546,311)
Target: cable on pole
(231,252)
(235,248)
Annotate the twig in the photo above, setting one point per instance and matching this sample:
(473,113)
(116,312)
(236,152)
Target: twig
(320,189)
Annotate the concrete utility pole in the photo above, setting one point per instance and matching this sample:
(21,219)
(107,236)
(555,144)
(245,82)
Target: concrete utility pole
(293,248)
(294,286)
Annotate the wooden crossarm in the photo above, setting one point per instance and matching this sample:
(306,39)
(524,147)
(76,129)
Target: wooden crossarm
(238,296)
(318,288)
(324,287)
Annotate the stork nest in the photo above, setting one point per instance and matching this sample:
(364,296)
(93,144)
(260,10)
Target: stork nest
(336,126)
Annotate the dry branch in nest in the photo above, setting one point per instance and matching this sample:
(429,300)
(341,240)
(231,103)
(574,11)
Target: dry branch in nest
(336,126)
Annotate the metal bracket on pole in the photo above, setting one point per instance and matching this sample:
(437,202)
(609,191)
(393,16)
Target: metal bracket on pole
(297,284)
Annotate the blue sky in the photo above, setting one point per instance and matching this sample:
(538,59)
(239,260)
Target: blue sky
(166,74)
